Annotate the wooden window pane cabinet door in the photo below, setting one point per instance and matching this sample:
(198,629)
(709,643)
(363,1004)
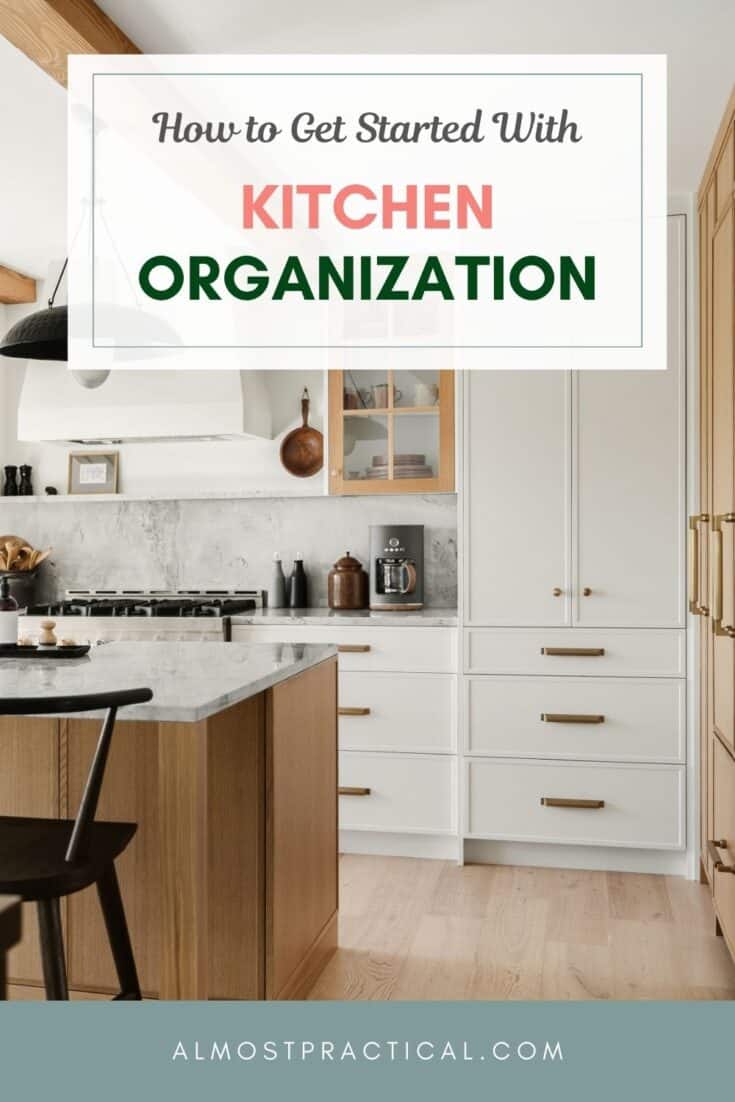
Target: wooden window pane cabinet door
(391,432)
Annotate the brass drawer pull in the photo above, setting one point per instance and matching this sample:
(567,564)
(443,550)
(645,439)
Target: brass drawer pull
(557,801)
(563,717)
(353,711)
(716,559)
(574,652)
(353,648)
(712,848)
(695,605)
(349,790)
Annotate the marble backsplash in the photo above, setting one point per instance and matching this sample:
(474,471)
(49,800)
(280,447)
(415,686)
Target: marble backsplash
(179,544)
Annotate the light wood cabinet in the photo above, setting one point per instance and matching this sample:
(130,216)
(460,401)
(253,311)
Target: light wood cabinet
(230,882)
(391,432)
(723,817)
(699,530)
(29,785)
(723,482)
(129,795)
(712,539)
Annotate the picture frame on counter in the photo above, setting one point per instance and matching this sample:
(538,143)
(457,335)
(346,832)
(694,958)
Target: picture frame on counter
(93,472)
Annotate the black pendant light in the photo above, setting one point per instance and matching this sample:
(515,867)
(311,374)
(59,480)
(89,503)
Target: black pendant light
(43,335)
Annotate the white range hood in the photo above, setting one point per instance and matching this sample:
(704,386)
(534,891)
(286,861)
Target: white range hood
(143,405)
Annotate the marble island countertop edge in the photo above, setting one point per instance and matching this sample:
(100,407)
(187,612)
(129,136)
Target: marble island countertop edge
(184,691)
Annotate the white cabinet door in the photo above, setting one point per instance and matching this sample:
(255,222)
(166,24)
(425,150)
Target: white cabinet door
(629,464)
(517,486)
(576,802)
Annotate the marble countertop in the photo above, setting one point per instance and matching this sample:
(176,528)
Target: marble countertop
(326,617)
(190,681)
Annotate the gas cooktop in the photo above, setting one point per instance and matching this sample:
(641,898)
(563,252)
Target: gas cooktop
(198,603)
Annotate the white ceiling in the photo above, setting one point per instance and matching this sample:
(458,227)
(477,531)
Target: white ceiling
(697,35)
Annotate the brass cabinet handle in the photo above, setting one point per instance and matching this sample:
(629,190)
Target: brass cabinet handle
(558,801)
(353,648)
(566,717)
(353,711)
(349,790)
(557,591)
(712,848)
(694,582)
(586,592)
(716,560)
(574,652)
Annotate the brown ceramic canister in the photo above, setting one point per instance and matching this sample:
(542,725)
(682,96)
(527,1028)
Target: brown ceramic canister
(347,584)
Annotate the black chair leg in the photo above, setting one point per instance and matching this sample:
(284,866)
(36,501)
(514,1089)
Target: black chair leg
(113,911)
(52,949)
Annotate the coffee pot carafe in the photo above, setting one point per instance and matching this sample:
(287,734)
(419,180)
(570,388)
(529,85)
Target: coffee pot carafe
(397,576)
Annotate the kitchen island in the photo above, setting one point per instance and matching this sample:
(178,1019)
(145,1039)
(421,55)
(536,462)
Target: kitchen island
(230,883)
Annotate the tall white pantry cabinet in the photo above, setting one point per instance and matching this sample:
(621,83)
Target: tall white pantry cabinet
(573,604)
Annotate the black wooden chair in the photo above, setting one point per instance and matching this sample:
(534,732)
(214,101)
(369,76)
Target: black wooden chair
(43,860)
(10,931)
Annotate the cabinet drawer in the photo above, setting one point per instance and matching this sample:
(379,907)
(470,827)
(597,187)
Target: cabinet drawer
(396,711)
(724,824)
(606,653)
(407,794)
(590,718)
(410,649)
(643,804)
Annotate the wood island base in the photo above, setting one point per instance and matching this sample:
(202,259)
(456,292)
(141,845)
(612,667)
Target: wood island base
(230,884)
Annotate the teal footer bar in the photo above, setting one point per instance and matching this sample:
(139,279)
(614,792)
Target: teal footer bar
(355,1051)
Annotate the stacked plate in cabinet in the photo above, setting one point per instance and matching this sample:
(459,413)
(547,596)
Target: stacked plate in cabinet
(409,465)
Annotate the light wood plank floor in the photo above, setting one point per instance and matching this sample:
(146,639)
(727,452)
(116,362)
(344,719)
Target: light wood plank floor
(413,929)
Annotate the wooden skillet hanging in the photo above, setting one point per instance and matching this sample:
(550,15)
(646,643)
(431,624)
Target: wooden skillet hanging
(302,450)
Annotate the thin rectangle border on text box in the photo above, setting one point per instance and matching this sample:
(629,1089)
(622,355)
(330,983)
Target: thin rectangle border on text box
(369,347)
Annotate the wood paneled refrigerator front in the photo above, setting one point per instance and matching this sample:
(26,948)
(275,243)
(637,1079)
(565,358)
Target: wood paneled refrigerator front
(712,529)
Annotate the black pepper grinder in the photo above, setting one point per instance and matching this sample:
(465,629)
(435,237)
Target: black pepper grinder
(297,585)
(10,489)
(25,489)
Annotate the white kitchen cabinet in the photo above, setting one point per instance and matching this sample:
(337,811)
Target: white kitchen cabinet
(574,482)
(397,793)
(397,730)
(517,483)
(587,718)
(597,652)
(629,456)
(410,712)
(577,803)
(574,615)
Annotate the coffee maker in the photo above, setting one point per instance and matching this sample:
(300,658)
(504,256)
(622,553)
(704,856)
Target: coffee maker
(397,567)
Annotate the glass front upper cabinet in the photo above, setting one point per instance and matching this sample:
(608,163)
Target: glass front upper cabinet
(391,432)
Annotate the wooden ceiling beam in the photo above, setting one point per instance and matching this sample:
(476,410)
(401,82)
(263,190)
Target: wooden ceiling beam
(15,288)
(47,31)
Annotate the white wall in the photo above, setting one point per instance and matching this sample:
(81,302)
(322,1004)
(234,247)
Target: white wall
(248,467)
(697,36)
